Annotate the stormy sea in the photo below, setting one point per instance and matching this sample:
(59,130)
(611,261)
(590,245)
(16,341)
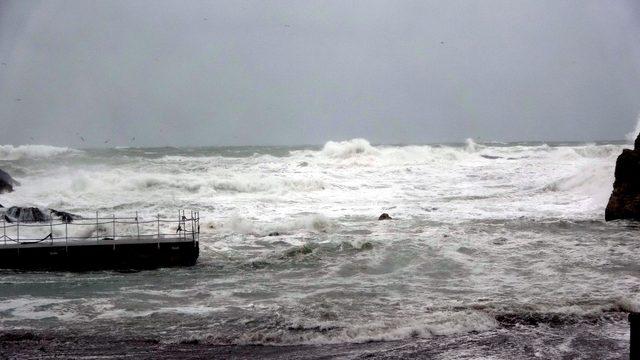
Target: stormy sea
(494,250)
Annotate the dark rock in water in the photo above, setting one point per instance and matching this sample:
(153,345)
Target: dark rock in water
(64,216)
(491,157)
(384,216)
(275,233)
(25,214)
(7,182)
(34,214)
(624,202)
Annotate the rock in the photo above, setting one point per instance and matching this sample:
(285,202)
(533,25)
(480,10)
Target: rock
(624,202)
(275,233)
(34,214)
(64,216)
(384,216)
(25,214)
(7,182)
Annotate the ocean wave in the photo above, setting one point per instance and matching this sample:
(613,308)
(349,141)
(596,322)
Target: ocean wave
(10,152)
(239,225)
(360,152)
(276,185)
(631,137)
(349,148)
(305,332)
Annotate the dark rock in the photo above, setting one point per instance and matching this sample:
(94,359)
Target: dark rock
(34,214)
(624,202)
(25,214)
(384,216)
(275,233)
(64,216)
(7,182)
(491,157)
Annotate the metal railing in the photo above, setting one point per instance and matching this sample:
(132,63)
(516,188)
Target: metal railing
(102,230)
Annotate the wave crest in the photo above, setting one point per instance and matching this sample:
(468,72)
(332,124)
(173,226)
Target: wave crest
(349,148)
(10,152)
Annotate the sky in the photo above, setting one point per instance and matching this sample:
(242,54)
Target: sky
(214,73)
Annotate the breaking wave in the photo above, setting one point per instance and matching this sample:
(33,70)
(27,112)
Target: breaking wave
(10,152)
(349,148)
(313,222)
(631,137)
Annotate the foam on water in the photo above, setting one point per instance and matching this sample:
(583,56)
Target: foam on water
(10,152)
(292,252)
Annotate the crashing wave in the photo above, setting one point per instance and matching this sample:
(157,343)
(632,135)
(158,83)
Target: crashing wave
(317,223)
(10,152)
(349,148)
(631,137)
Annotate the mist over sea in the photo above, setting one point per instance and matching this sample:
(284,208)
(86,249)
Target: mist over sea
(500,247)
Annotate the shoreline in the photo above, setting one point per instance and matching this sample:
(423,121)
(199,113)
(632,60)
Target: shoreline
(584,340)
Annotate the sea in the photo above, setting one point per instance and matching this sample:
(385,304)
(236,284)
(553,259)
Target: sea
(494,251)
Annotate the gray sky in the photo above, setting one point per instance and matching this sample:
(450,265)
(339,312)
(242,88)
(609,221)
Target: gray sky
(304,72)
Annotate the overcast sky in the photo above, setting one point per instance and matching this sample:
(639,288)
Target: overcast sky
(305,72)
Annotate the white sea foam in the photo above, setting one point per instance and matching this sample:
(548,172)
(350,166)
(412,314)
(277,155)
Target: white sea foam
(10,152)
(240,225)
(476,226)
(437,323)
(345,149)
(631,137)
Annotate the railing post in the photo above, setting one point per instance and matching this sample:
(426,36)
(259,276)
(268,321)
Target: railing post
(51,228)
(4,230)
(158,231)
(137,226)
(114,231)
(193,234)
(97,228)
(18,231)
(66,237)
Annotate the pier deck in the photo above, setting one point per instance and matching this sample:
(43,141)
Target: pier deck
(100,243)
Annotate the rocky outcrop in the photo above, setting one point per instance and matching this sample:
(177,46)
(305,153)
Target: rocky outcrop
(7,182)
(25,214)
(624,202)
(64,216)
(34,214)
(384,216)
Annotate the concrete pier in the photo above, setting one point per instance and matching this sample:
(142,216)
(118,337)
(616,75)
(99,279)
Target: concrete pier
(101,243)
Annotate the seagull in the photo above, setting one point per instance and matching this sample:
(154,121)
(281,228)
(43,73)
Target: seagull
(133,139)
(107,141)
(18,99)
(81,138)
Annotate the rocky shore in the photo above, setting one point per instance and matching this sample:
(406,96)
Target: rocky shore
(624,202)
